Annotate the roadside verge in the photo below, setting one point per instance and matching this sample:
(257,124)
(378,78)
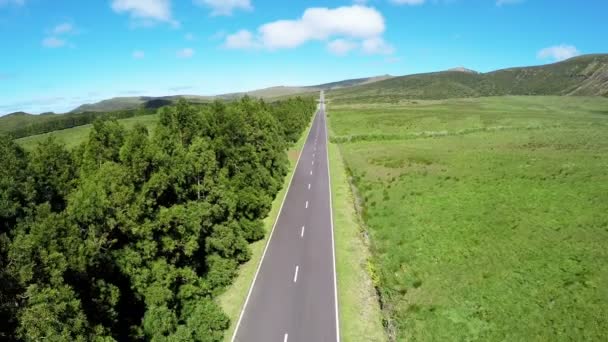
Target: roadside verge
(233,299)
(360,316)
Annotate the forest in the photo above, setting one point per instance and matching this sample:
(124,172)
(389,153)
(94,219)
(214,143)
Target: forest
(131,235)
(45,123)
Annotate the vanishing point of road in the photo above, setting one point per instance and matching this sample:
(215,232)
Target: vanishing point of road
(293,297)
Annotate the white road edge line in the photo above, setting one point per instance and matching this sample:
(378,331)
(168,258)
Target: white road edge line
(302,233)
(333,243)
(257,271)
(295,276)
(286,337)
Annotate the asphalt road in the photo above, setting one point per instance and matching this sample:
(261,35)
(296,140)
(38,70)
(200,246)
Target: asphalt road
(293,296)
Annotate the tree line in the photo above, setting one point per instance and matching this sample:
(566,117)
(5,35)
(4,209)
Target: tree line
(131,235)
(55,122)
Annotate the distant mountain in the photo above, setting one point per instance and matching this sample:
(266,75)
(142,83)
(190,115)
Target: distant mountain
(463,69)
(13,121)
(584,75)
(282,91)
(136,102)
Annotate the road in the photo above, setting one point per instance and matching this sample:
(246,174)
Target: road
(293,296)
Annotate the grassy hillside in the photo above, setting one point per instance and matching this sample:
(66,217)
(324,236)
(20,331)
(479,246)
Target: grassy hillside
(13,121)
(488,217)
(584,75)
(72,137)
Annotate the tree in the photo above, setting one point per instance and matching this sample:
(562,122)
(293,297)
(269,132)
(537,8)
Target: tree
(105,141)
(52,172)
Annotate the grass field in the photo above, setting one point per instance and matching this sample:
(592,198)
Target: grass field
(74,136)
(488,218)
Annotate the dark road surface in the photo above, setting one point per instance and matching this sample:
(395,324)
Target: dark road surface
(293,296)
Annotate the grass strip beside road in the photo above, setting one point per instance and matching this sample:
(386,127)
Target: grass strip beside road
(233,299)
(360,317)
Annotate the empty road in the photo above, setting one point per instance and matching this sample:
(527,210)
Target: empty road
(293,296)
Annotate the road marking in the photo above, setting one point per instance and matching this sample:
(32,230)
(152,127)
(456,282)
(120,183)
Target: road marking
(313,162)
(306,204)
(311,172)
(295,276)
(308,186)
(313,155)
(285,338)
(302,233)
(255,277)
(333,243)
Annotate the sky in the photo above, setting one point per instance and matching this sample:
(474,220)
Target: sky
(58,54)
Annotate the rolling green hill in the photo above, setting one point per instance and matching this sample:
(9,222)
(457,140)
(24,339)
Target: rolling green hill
(584,75)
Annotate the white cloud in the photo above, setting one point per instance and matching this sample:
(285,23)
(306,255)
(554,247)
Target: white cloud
(185,53)
(63,28)
(189,36)
(377,46)
(53,42)
(350,23)
(507,2)
(242,39)
(558,52)
(145,12)
(139,54)
(341,47)
(225,7)
(322,23)
(409,2)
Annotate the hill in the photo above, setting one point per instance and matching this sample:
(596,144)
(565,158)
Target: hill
(584,75)
(137,102)
(14,121)
(282,91)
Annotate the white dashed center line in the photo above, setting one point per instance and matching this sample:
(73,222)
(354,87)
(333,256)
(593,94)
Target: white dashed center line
(286,337)
(295,276)
(311,172)
(308,186)
(302,233)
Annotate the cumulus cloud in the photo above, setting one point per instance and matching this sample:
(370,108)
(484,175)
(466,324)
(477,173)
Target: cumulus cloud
(408,2)
(63,28)
(53,42)
(377,46)
(185,53)
(145,12)
(558,52)
(56,37)
(225,7)
(354,23)
(341,47)
(138,54)
(242,39)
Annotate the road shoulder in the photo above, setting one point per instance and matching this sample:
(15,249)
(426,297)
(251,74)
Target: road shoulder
(232,300)
(360,316)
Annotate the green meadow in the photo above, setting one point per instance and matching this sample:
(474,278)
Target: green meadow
(487,217)
(72,137)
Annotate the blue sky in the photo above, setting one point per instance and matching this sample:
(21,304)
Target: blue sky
(58,54)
